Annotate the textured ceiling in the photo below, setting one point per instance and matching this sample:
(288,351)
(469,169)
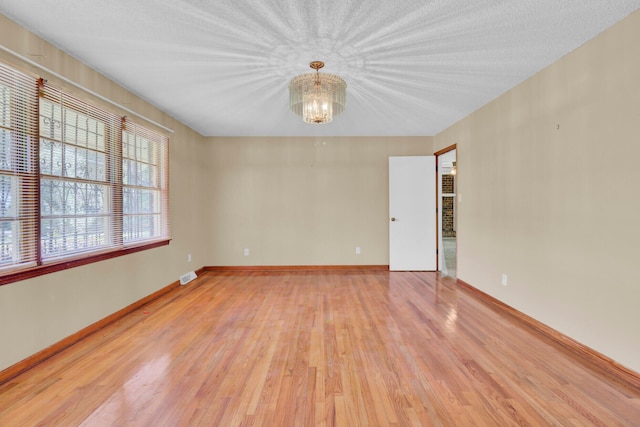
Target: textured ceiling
(413,67)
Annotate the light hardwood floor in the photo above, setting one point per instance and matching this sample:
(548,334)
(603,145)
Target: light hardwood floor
(304,348)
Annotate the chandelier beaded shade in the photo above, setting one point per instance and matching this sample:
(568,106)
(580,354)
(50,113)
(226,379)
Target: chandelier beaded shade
(317,97)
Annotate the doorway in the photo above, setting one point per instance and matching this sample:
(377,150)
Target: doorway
(447,211)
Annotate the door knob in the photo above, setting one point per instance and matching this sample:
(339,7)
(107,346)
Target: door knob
(393,219)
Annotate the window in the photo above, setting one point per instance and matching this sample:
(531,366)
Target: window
(144,201)
(18,172)
(75,180)
(76,200)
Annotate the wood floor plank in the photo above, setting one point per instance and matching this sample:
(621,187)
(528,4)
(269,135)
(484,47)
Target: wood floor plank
(317,348)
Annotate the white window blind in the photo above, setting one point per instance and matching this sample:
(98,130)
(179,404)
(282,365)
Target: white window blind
(77,204)
(145,183)
(18,170)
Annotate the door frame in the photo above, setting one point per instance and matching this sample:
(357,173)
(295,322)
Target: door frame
(439,203)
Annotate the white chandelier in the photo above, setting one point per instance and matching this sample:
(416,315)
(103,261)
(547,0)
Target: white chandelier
(317,97)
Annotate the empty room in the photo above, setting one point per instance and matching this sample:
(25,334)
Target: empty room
(338,213)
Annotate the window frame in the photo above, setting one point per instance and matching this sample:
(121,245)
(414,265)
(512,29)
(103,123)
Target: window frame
(115,246)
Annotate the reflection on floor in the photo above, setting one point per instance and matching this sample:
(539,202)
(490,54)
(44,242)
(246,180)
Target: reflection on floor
(449,246)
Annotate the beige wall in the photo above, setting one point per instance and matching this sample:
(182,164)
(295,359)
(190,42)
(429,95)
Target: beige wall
(39,312)
(302,201)
(549,179)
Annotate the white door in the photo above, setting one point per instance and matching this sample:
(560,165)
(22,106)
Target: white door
(412,213)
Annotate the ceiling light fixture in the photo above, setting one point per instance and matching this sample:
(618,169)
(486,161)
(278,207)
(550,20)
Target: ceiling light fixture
(317,97)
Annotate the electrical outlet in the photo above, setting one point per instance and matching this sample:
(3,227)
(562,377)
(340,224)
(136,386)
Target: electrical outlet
(504,279)
(189,258)
(246,251)
(357,250)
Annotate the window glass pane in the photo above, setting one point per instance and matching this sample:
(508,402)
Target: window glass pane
(139,174)
(148,175)
(144,151)
(129,172)
(136,200)
(85,164)
(71,161)
(74,217)
(50,120)
(6,161)
(128,145)
(50,157)
(140,227)
(5,106)
(9,223)
(58,197)
(7,244)
(7,197)
(61,236)
(83,130)
(141,164)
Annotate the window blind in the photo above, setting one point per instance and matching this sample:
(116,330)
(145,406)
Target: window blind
(77,176)
(145,182)
(19,189)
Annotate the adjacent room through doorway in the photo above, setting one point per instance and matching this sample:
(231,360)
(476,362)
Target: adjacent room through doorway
(447,205)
